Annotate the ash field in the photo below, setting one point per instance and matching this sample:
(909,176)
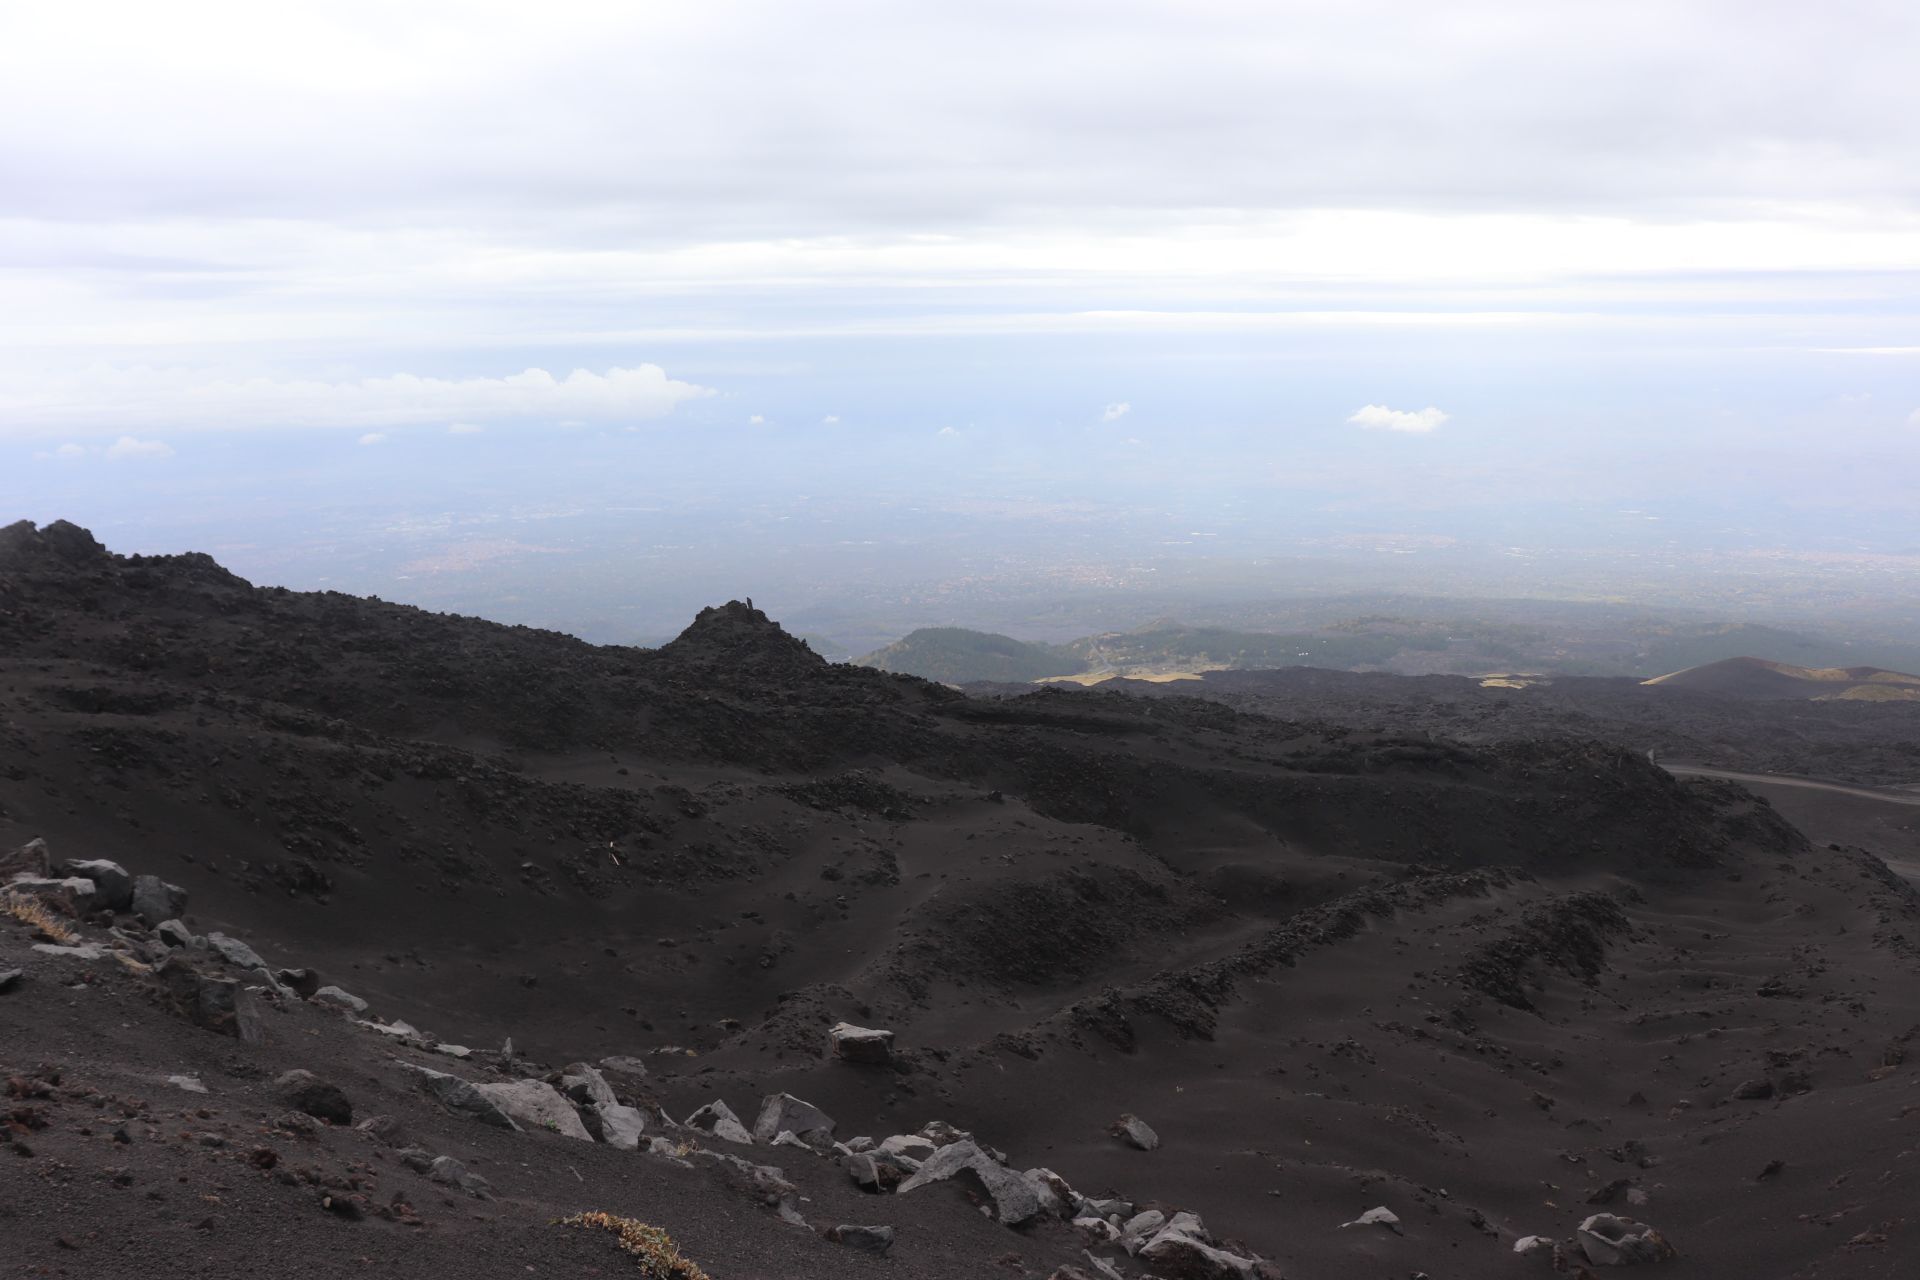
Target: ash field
(349,939)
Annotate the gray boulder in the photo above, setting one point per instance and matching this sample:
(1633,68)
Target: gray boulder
(113,887)
(217,1004)
(873,1172)
(1183,1247)
(617,1126)
(1014,1201)
(621,1065)
(174,934)
(875,1240)
(1611,1241)
(587,1087)
(860,1044)
(157,900)
(74,895)
(460,1096)
(335,998)
(782,1112)
(535,1104)
(717,1118)
(909,1146)
(30,859)
(1379,1216)
(306,1092)
(1136,1132)
(235,952)
(450,1172)
(302,982)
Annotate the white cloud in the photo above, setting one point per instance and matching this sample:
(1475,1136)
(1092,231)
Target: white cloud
(465,429)
(109,397)
(757,420)
(1913,419)
(947,431)
(68,452)
(1115,412)
(830,420)
(373,437)
(1377,417)
(127,447)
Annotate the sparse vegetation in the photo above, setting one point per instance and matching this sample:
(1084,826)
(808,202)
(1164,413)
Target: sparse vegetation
(655,1250)
(29,910)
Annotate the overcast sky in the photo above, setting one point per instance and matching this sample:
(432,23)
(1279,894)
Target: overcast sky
(1387,240)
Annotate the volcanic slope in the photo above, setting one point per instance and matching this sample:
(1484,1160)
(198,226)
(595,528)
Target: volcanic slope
(1759,678)
(1493,989)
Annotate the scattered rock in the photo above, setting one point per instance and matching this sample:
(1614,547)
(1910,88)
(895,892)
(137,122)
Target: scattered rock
(217,1004)
(174,934)
(234,952)
(461,1097)
(872,1172)
(447,1170)
(1610,1241)
(615,1125)
(1013,1201)
(29,859)
(535,1104)
(190,1083)
(1528,1246)
(875,1240)
(113,887)
(156,900)
(304,983)
(1758,1090)
(9,979)
(453,1051)
(1185,1249)
(79,951)
(396,1029)
(1135,1132)
(306,1092)
(783,1111)
(1377,1217)
(335,998)
(717,1118)
(385,1130)
(73,895)
(625,1066)
(587,1087)
(908,1146)
(860,1044)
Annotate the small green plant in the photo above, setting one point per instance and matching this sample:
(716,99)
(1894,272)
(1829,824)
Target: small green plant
(654,1249)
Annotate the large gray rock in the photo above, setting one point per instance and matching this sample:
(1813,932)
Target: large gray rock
(157,900)
(587,1087)
(304,983)
(113,887)
(73,895)
(30,859)
(718,1119)
(307,1093)
(217,1004)
(764,1182)
(615,1125)
(174,934)
(908,1146)
(1611,1241)
(621,1065)
(1184,1248)
(1014,1201)
(860,1044)
(784,1113)
(1136,1132)
(235,952)
(875,1240)
(535,1104)
(461,1097)
(335,998)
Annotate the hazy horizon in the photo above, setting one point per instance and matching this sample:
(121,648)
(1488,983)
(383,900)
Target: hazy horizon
(586,316)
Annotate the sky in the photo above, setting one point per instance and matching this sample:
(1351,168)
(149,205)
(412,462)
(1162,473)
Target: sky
(1495,272)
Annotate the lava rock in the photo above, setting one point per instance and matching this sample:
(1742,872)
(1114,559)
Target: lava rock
(156,900)
(1135,1132)
(860,1044)
(306,1092)
(875,1240)
(587,1087)
(174,934)
(617,1126)
(783,1112)
(1611,1241)
(461,1097)
(1014,1202)
(113,887)
(718,1119)
(1184,1248)
(29,859)
(535,1104)
(234,952)
(335,998)
(304,983)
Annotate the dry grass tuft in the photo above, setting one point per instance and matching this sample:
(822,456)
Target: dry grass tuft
(658,1255)
(29,910)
